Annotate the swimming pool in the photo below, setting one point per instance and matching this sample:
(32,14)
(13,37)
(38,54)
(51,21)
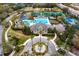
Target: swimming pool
(41,20)
(36,20)
(70,21)
(76,26)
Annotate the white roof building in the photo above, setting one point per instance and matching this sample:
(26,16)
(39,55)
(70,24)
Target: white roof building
(60,27)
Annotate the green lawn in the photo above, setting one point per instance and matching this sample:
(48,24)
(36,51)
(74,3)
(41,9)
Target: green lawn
(6,48)
(20,36)
(3,39)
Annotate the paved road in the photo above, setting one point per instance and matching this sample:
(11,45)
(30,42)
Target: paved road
(51,47)
(1,49)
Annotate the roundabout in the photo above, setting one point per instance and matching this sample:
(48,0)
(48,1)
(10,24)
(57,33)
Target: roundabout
(40,48)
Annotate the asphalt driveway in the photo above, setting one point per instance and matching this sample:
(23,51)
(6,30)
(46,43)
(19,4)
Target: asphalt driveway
(1,49)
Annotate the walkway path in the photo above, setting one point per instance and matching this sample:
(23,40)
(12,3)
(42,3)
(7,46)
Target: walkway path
(8,20)
(1,30)
(24,45)
(53,41)
(6,33)
(12,53)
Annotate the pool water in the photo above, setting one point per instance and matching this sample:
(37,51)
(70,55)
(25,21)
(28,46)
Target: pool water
(76,26)
(72,22)
(69,20)
(27,22)
(35,21)
(41,20)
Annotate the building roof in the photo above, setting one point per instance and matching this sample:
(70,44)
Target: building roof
(60,27)
(36,27)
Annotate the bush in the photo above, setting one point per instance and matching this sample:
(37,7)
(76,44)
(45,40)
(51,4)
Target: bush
(27,31)
(17,48)
(7,50)
(61,51)
(50,30)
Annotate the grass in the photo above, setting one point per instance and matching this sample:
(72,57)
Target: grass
(22,38)
(20,50)
(4,22)
(6,48)
(14,18)
(3,39)
(49,36)
(19,35)
(59,42)
(4,45)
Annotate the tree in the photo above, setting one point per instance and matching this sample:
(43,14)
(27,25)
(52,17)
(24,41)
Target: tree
(7,50)
(69,36)
(17,48)
(50,30)
(16,41)
(27,30)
